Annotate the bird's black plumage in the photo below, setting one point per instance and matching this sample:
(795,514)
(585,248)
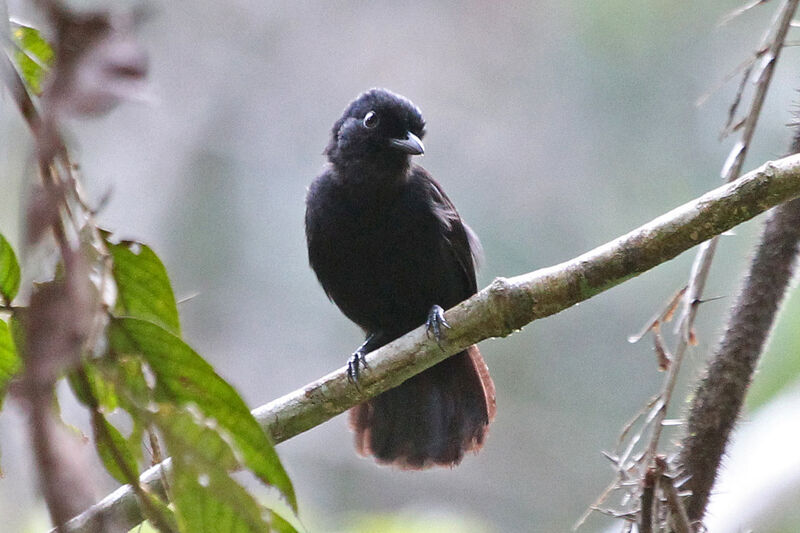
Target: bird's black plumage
(387,245)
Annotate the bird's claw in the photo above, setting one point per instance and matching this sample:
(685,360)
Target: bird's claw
(359,359)
(436,323)
(354,364)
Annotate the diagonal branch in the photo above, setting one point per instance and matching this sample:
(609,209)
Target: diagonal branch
(499,310)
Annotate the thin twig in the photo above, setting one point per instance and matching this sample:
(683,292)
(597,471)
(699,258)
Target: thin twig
(647,502)
(680,520)
(731,171)
(744,66)
(665,315)
(781,27)
(740,11)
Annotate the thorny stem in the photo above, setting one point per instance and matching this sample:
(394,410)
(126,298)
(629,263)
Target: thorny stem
(679,518)
(731,171)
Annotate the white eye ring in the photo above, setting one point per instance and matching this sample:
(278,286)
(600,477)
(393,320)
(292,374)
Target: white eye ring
(370,120)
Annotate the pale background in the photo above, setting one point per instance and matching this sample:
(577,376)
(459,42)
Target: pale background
(554,126)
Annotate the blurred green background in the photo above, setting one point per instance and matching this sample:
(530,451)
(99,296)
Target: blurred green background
(554,126)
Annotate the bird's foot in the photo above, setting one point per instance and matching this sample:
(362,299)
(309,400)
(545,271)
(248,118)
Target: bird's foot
(356,362)
(359,360)
(436,323)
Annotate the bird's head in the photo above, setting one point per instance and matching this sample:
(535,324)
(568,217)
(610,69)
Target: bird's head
(378,127)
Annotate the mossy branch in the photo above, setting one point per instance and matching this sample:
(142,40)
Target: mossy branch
(502,308)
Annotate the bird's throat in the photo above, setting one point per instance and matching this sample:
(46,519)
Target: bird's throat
(370,181)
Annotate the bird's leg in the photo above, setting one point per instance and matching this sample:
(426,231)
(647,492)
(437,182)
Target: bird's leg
(358,358)
(435,323)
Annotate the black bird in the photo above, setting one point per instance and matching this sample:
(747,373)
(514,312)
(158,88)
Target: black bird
(390,250)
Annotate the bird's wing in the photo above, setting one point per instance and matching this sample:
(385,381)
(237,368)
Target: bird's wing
(464,243)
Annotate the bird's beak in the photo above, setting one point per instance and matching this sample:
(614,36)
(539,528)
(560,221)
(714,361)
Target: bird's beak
(411,145)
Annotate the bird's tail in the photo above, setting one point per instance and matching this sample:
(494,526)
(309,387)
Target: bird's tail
(431,419)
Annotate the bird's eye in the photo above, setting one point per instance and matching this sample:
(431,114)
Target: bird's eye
(371,120)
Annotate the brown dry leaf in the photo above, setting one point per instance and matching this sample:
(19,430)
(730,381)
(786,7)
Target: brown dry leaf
(663,356)
(692,338)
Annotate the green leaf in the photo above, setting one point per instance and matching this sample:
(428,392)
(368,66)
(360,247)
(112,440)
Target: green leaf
(165,514)
(279,524)
(99,390)
(133,391)
(183,377)
(779,368)
(440,521)
(221,505)
(206,497)
(135,439)
(10,363)
(9,271)
(9,359)
(144,288)
(33,56)
(114,449)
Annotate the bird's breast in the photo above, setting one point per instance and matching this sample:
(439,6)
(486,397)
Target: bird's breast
(380,265)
